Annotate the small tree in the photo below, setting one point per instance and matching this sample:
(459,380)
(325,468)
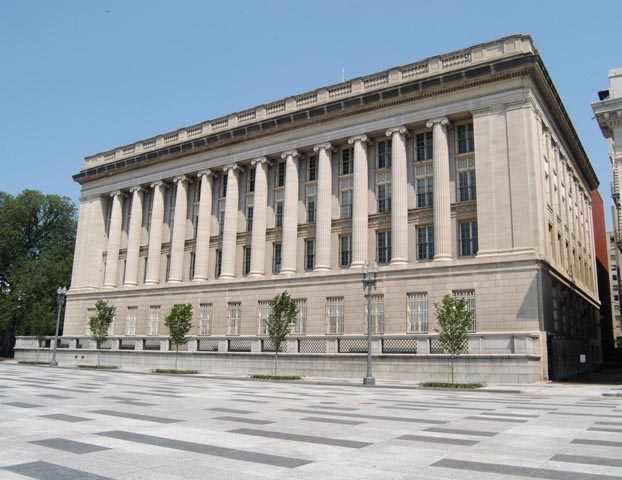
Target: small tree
(179,323)
(455,320)
(40,324)
(279,323)
(99,324)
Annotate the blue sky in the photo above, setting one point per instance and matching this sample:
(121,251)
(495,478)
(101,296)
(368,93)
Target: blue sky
(79,77)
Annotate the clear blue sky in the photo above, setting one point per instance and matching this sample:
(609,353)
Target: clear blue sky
(79,77)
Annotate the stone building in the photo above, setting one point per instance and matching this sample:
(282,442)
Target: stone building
(615,286)
(459,174)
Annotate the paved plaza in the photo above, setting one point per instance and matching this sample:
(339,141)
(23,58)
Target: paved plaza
(79,424)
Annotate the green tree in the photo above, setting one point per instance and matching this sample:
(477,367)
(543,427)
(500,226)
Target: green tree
(37,237)
(40,322)
(279,323)
(179,323)
(99,324)
(455,321)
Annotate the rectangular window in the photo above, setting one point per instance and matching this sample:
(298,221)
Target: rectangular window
(149,201)
(383,247)
(221,217)
(309,254)
(205,319)
(246,263)
(249,218)
(311,209)
(468,239)
(218,262)
(425,191)
(223,185)
(276,258)
(172,199)
(417,310)
(345,250)
(263,313)
(383,196)
(168,267)
(334,315)
(377,313)
(196,203)
(345,200)
(347,161)
(465,138)
(153,328)
(233,318)
(425,243)
(312,168)
(280,174)
(130,320)
(469,296)
(466,179)
(278,214)
(193,260)
(383,154)
(250,181)
(300,325)
(424,146)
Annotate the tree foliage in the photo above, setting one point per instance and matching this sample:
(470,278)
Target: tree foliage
(179,323)
(455,321)
(280,320)
(37,237)
(99,324)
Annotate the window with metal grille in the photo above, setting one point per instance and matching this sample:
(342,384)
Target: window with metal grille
(249,218)
(383,247)
(130,320)
(233,318)
(417,311)
(263,314)
(218,262)
(424,146)
(383,154)
(221,217)
(425,242)
(425,191)
(468,239)
(250,181)
(148,199)
(172,199)
(383,196)
(153,328)
(377,313)
(168,267)
(205,319)
(467,190)
(278,214)
(465,138)
(193,259)
(196,203)
(309,254)
(345,250)
(311,209)
(469,296)
(127,216)
(347,161)
(246,261)
(280,174)
(276,258)
(334,315)
(345,200)
(312,168)
(300,325)
(223,184)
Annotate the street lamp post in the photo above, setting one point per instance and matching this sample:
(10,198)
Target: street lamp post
(60,297)
(369,280)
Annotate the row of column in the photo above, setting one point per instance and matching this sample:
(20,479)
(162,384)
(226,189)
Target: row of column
(399,214)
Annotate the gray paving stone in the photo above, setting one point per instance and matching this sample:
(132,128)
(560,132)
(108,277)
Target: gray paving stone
(600,429)
(68,445)
(458,431)
(252,421)
(66,418)
(51,395)
(22,405)
(336,442)
(50,471)
(337,421)
(608,462)
(230,410)
(495,419)
(602,443)
(431,439)
(135,416)
(370,417)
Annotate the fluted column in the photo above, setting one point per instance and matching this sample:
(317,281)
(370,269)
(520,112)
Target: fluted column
(230,231)
(114,240)
(179,230)
(399,199)
(442,201)
(323,220)
(359,201)
(201,253)
(152,277)
(133,238)
(260,205)
(290,212)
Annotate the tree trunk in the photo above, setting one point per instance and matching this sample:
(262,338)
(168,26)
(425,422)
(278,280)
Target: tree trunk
(276,357)
(98,355)
(176,352)
(452,368)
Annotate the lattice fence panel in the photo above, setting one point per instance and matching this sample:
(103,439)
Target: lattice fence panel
(399,345)
(352,345)
(81,343)
(64,343)
(436,346)
(268,346)
(182,348)
(127,344)
(311,345)
(208,345)
(107,345)
(239,345)
(151,344)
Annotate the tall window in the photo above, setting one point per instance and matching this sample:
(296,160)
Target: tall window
(130,320)
(425,190)
(172,199)
(424,146)
(417,310)
(383,247)
(377,313)
(249,218)
(465,138)
(149,202)
(280,174)
(425,242)
(345,197)
(312,168)
(193,261)
(466,179)
(309,254)
(276,258)
(168,267)
(246,263)
(233,318)
(334,315)
(469,296)
(468,239)
(221,217)
(383,192)
(153,328)
(196,203)
(278,213)
(223,184)
(345,250)
(383,154)
(250,181)
(218,262)
(205,319)
(263,313)
(300,325)
(311,209)
(347,161)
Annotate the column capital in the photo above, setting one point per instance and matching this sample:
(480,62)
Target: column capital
(157,183)
(136,188)
(402,130)
(205,173)
(444,121)
(358,138)
(260,160)
(323,146)
(231,166)
(180,178)
(116,193)
(290,153)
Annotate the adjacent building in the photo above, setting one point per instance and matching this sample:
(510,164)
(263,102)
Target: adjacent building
(459,174)
(615,286)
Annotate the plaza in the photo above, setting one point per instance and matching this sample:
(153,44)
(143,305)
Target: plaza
(69,423)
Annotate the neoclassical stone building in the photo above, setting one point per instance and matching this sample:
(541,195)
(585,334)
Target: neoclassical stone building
(459,174)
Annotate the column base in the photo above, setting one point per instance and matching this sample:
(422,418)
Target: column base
(357,265)
(130,284)
(173,281)
(398,261)
(288,271)
(110,285)
(226,276)
(199,279)
(322,268)
(442,257)
(256,274)
(151,282)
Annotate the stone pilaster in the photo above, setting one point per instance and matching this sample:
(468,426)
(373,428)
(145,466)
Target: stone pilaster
(114,240)
(260,205)
(154,251)
(360,204)
(399,200)
(179,230)
(230,231)
(323,220)
(442,201)
(290,212)
(133,238)
(201,254)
